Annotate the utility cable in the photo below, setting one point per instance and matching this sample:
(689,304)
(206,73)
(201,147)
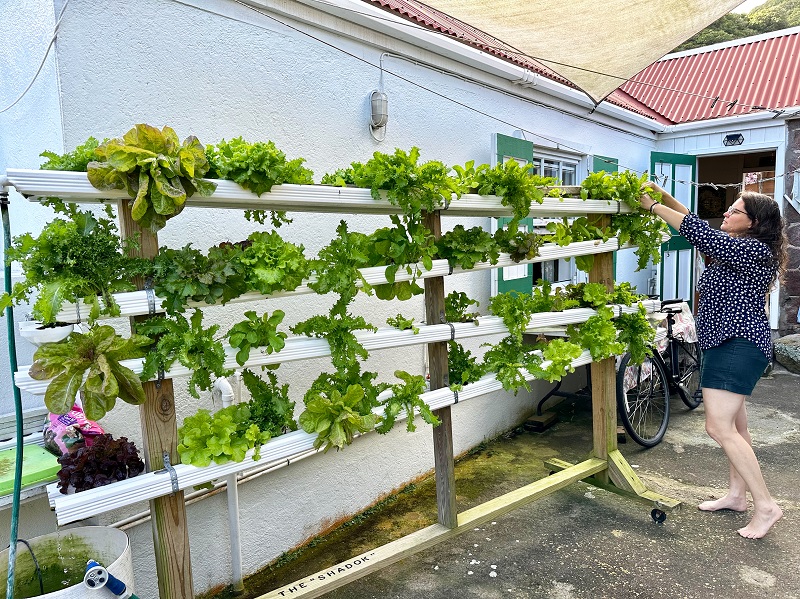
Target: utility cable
(12,359)
(44,59)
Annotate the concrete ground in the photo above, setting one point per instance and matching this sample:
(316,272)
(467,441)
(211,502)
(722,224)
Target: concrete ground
(584,542)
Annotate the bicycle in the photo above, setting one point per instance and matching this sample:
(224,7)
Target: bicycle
(643,391)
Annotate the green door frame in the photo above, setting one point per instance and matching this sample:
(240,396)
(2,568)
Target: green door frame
(677,243)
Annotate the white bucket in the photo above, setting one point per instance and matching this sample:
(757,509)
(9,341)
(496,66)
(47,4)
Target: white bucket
(69,549)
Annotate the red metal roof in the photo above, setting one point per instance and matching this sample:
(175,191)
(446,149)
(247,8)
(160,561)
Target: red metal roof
(433,19)
(746,75)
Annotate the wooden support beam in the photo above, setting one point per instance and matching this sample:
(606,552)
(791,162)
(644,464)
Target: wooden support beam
(438,368)
(660,501)
(345,572)
(623,475)
(160,433)
(603,373)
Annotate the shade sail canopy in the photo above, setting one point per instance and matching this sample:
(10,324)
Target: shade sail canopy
(596,44)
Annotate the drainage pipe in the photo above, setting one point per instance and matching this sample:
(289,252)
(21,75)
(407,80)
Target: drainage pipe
(225,389)
(12,358)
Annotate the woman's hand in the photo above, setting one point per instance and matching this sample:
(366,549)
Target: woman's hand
(647,201)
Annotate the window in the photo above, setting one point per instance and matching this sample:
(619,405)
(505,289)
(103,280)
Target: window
(564,170)
(564,167)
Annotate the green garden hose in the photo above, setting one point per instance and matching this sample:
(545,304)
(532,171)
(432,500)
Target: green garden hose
(12,358)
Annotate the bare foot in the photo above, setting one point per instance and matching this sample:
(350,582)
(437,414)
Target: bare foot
(761,523)
(736,504)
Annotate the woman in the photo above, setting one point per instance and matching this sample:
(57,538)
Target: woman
(747,256)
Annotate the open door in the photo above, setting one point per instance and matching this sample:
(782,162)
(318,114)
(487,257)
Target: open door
(678,270)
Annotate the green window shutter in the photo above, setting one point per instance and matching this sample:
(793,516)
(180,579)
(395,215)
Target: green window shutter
(513,278)
(604,163)
(505,146)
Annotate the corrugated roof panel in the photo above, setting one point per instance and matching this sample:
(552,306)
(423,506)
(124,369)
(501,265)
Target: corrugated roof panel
(757,73)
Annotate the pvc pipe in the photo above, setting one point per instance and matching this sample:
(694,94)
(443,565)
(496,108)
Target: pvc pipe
(224,388)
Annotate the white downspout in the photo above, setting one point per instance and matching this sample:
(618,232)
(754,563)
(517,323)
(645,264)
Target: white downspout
(224,388)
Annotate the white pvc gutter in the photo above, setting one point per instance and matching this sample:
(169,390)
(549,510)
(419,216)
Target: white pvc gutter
(295,445)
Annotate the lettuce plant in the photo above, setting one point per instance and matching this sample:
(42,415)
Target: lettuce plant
(156,170)
(257,167)
(81,257)
(105,461)
(90,362)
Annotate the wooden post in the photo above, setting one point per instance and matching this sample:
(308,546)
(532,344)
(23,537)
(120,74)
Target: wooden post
(438,370)
(159,429)
(604,383)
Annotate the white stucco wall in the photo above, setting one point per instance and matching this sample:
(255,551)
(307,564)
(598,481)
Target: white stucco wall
(26,129)
(227,71)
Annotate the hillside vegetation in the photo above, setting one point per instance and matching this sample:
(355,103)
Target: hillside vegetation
(770,16)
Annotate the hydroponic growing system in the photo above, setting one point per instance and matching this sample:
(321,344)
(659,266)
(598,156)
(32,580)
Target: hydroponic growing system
(165,482)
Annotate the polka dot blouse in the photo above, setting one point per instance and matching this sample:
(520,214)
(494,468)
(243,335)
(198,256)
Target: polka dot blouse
(733,288)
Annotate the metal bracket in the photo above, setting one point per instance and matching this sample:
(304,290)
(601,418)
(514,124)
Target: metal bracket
(794,200)
(173,476)
(151,296)
(160,378)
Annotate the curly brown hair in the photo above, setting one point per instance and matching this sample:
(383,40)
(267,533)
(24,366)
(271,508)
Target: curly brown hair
(768,226)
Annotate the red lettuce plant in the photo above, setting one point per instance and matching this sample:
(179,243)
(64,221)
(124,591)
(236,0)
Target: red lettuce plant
(105,461)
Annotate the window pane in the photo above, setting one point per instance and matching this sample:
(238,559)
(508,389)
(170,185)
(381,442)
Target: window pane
(551,168)
(568,174)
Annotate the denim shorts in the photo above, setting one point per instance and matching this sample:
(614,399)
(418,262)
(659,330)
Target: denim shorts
(735,366)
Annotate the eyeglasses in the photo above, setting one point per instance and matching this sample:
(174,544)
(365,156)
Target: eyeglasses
(733,210)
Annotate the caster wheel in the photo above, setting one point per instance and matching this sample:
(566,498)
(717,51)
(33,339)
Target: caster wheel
(658,516)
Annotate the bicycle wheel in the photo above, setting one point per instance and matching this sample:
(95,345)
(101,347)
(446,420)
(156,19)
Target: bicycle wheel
(689,360)
(644,407)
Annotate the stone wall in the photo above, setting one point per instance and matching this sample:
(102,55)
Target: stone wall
(790,294)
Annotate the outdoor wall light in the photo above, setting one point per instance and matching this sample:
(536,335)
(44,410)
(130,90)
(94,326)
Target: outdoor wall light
(733,139)
(379,115)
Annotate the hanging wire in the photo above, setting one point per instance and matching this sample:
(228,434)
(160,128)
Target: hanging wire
(501,47)
(478,111)
(44,59)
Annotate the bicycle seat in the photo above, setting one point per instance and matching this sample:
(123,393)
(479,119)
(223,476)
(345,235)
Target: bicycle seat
(672,306)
